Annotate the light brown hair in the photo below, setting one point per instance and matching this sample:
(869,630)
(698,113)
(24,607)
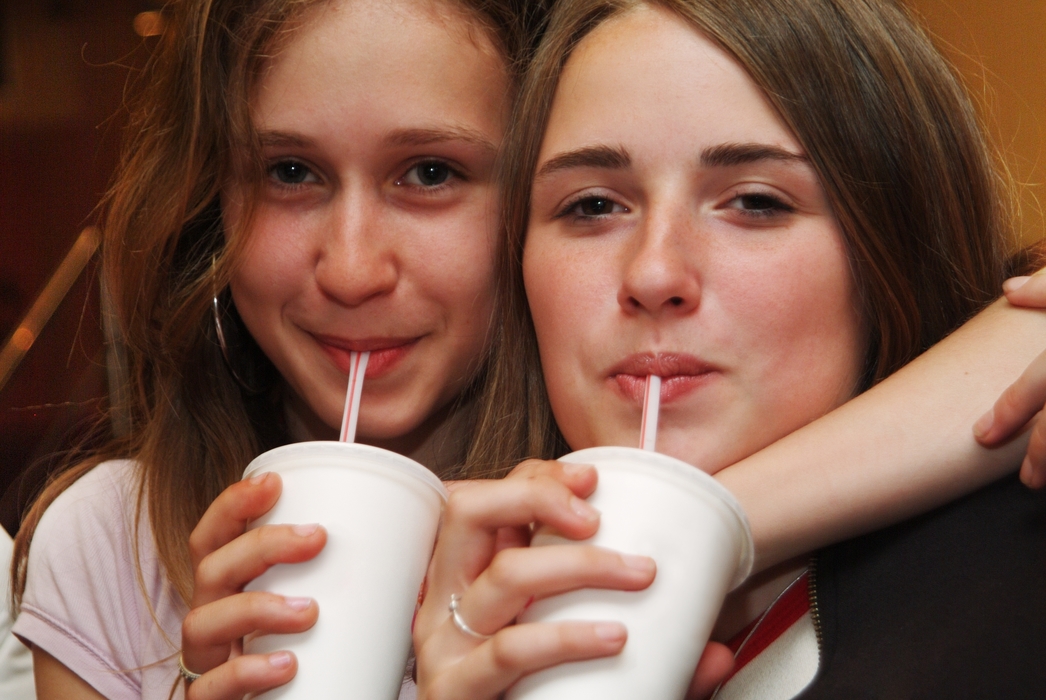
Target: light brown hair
(916,188)
(193,427)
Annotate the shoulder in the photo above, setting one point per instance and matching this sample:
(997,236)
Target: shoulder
(85,536)
(94,587)
(88,530)
(105,494)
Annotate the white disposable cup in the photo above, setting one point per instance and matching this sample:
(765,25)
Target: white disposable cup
(381,511)
(697,534)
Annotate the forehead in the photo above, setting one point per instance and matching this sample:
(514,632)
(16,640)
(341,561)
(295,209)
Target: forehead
(351,54)
(648,73)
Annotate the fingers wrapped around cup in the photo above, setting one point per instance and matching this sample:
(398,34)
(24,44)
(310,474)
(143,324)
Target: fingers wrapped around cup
(471,647)
(225,558)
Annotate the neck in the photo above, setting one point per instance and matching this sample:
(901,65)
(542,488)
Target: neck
(439,443)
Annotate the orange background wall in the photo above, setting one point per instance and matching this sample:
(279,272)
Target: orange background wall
(1000,46)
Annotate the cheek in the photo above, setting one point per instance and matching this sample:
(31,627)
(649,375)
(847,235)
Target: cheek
(569,286)
(275,265)
(807,321)
(550,278)
(455,268)
(571,296)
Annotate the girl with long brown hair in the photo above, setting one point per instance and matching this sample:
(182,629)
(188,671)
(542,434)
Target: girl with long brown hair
(302,179)
(772,205)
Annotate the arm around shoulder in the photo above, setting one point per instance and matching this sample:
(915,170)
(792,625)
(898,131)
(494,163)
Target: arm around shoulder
(901,448)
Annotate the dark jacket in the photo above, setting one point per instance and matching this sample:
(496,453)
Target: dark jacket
(951,604)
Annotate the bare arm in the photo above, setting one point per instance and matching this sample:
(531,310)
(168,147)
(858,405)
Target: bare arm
(55,680)
(1024,398)
(899,449)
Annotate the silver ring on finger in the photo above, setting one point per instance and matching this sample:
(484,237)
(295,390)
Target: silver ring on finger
(455,616)
(185,673)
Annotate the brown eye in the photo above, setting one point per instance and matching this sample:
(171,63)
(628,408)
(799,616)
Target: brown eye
(595,206)
(759,204)
(591,208)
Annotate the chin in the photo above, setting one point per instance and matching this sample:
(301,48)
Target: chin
(381,424)
(705,454)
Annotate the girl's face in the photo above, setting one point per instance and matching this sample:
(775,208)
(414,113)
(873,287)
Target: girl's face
(379,120)
(678,229)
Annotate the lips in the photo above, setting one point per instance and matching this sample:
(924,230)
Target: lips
(680,375)
(385,353)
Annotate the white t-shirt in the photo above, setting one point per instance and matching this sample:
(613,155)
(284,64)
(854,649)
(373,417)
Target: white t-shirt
(83,603)
(16,662)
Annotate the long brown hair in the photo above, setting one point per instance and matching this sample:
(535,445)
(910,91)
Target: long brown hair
(916,188)
(194,426)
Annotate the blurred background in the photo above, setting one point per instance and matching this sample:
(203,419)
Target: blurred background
(65,66)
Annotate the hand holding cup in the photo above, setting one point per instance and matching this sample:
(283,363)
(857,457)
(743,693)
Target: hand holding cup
(225,558)
(482,558)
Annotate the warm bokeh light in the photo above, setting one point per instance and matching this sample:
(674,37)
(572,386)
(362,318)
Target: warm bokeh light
(23,339)
(149,23)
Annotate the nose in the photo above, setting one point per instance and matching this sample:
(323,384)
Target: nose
(356,259)
(661,277)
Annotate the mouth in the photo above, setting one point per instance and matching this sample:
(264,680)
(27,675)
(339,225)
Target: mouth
(680,375)
(385,353)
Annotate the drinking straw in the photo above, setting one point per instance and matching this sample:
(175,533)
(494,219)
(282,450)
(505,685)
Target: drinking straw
(357,368)
(651,407)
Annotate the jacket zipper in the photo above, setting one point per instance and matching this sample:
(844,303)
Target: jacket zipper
(815,612)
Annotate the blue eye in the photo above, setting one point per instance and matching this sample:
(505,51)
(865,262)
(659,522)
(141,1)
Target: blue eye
(291,172)
(430,173)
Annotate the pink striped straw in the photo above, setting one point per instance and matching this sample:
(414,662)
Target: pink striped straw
(651,407)
(357,368)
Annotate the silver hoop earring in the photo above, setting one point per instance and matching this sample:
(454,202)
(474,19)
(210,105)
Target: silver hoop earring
(221,339)
(252,378)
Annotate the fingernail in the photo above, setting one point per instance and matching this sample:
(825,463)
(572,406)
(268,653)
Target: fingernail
(297,603)
(984,423)
(305,530)
(1014,283)
(280,659)
(638,562)
(610,631)
(1028,476)
(575,469)
(1025,473)
(258,478)
(582,509)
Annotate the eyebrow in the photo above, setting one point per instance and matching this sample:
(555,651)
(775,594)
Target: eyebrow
(721,156)
(276,139)
(729,154)
(399,137)
(425,137)
(590,157)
